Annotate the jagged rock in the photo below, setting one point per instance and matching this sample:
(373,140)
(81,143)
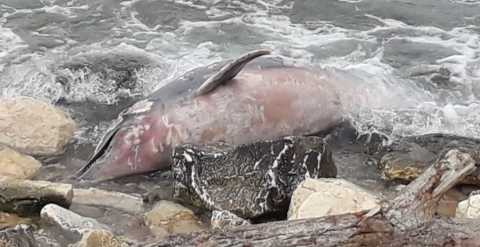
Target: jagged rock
(469,208)
(20,236)
(408,157)
(72,225)
(323,197)
(248,180)
(34,127)
(11,220)
(225,219)
(25,197)
(97,197)
(16,165)
(98,238)
(168,218)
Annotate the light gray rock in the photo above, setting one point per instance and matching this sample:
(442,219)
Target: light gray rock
(226,219)
(17,165)
(469,208)
(113,199)
(34,127)
(72,225)
(25,197)
(325,196)
(168,218)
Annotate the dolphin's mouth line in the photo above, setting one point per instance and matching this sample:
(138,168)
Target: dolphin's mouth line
(82,171)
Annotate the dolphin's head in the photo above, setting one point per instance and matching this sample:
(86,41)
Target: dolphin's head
(134,145)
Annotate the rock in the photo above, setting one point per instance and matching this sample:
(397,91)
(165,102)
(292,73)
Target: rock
(248,180)
(16,165)
(11,220)
(98,238)
(323,197)
(396,166)
(34,127)
(26,198)
(168,218)
(20,236)
(225,219)
(408,157)
(469,208)
(72,225)
(97,197)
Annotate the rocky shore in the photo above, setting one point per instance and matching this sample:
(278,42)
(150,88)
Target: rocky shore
(209,188)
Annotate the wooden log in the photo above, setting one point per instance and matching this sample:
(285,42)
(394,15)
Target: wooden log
(113,199)
(407,220)
(27,198)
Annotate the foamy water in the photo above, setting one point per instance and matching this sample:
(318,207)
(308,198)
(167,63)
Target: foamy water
(429,73)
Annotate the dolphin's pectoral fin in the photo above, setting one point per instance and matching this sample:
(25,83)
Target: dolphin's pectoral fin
(99,151)
(229,71)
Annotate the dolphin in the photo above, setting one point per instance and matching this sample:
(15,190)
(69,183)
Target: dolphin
(247,99)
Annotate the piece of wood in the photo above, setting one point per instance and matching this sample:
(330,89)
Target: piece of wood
(112,199)
(407,220)
(417,203)
(27,198)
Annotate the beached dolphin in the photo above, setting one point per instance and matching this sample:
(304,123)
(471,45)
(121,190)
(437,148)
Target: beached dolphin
(228,101)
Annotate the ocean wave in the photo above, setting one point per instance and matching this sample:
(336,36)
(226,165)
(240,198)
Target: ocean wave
(432,71)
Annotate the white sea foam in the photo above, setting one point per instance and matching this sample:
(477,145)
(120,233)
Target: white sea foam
(11,45)
(315,43)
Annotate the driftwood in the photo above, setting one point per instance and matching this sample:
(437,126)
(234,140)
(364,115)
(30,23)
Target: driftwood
(26,198)
(407,220)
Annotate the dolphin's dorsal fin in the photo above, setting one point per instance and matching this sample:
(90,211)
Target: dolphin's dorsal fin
(229,71)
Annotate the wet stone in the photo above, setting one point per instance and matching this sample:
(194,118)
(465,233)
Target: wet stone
(248,180)
(70,224)
(226,219)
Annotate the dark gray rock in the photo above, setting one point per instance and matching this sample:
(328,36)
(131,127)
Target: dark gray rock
(20,236)
(248,180)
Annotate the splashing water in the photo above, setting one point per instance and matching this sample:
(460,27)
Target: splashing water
(432,70)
